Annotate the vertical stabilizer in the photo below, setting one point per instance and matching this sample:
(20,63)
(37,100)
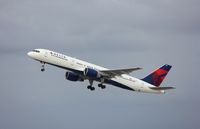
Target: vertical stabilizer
(158,76)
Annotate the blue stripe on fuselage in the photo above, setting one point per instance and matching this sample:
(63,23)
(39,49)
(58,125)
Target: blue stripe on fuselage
(117,84)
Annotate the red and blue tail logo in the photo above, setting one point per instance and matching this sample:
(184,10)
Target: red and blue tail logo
(158,76)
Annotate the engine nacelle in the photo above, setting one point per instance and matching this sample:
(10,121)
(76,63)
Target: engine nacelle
(92,73)
(73,76)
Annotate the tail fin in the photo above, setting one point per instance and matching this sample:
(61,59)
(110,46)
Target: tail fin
(158,76)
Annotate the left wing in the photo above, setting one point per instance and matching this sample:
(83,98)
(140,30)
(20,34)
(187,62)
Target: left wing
(118,72)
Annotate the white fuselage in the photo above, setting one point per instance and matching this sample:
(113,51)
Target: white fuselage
(66,62)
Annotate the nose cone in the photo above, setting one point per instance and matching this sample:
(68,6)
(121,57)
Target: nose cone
(30,54)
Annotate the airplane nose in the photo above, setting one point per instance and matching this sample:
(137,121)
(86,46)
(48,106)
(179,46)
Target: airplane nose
(29,54)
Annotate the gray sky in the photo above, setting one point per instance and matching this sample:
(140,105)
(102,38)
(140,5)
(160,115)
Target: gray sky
(111,33)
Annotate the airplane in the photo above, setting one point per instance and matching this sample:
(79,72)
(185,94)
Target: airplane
(78,70)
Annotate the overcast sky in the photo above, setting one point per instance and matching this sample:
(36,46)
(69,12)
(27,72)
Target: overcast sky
(113,34)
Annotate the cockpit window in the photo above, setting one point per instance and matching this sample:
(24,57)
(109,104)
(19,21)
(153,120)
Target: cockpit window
(36,51)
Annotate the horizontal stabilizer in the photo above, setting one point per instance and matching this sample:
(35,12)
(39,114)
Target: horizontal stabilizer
(161,88)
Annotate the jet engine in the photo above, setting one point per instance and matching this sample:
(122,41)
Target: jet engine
(73,76)
(92,73)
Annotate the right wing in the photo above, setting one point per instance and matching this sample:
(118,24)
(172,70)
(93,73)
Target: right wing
(118,72)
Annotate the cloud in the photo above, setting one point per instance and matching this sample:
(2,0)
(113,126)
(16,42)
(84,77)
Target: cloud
(117,33)
(90,23)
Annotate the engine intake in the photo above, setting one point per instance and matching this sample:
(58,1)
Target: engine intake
(73,76)
(92,73)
